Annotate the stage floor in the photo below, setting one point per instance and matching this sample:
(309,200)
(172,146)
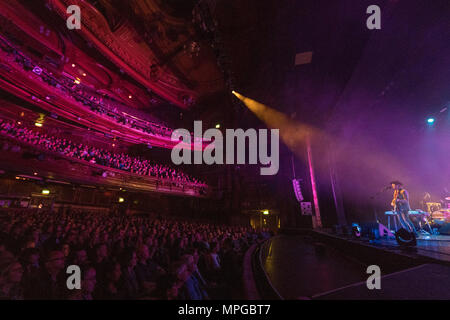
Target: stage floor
(299,269)
(424,282)
(436,247)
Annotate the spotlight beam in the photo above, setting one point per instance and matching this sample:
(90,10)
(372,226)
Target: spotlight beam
(292,133)
(297,135)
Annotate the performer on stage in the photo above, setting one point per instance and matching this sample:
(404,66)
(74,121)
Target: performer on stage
(400,202)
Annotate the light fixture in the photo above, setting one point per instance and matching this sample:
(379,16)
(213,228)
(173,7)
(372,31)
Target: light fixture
(431,120)
(73,65)
(38,124)
(84,74)
(266,212)
(130,96)
(218,126)
(121,200)
(356,230)
(77,81)
(45,191)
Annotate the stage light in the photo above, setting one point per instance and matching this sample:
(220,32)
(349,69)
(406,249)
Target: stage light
(45,191)
(37,70)
(130,96)
(238,95)
(356,230)
(84,74)
(73,65)
(430,120)
(121,200)
(218,126)
(266,212)
(38,124)
(77,81)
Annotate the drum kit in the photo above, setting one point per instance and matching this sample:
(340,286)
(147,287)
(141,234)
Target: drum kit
(439,215)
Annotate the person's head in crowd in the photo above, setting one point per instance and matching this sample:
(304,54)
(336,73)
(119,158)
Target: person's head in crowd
(35,234)
(113,272)
(65,248)
(88,281)
(143,253)
(80,257)
(194,252)
(11,273)
(101,252)
(190,263)
(180,271)
(227,244)
(30,258)
(148,241)
(214,247)
(59,232)
(71,237)
(54,262)
(129,259)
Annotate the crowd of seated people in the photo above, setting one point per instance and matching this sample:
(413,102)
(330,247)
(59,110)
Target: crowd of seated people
(95,102)
(120,257)
(94,155)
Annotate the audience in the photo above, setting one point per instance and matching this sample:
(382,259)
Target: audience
(93,155)
(131,257)
(11,272)
(84,95)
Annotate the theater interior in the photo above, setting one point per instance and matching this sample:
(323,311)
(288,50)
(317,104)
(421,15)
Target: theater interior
(348,99)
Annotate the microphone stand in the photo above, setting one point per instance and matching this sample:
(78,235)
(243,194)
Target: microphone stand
(373,197)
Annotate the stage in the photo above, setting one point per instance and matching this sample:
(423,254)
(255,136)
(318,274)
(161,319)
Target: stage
(301,264)
(435,247)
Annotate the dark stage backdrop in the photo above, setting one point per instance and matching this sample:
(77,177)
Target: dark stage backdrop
(379,125)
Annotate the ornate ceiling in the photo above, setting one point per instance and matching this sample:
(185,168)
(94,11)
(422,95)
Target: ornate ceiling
(163,53)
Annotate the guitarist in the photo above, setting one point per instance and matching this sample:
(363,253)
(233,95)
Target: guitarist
(400,203)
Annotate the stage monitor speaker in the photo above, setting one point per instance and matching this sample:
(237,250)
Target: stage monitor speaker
(445,229)
(405,238)
(370,230)
(375,230)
